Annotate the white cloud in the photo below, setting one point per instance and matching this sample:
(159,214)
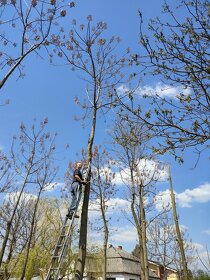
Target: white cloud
(206,231)
(54,185)
(124,234)
(95,238)
(159,89)
(1,147)
(201,194)
(121,177)
(122,89)
(153,168)
(162,90)
(198,246)
(163,200)
(115,205)
(13,196)
(48,187)
(149,169)
(204,259)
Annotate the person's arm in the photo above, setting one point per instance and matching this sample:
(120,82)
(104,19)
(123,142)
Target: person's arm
(77,176)
(79,179)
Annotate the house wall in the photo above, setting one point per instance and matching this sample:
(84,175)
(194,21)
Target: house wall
(172,276)
(120,265)
(157,270)
(123,276)
(154,269)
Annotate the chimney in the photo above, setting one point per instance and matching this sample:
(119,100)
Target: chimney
(119,247)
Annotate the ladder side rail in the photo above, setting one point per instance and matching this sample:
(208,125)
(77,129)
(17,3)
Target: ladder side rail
(68,237)
(60,239)
(56,250)
(69,233)
(63,253)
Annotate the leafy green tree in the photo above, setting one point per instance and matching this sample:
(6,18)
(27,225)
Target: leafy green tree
(45,179)
(201,275)
(29,154)
(205,261)
(48,224)
(18,233)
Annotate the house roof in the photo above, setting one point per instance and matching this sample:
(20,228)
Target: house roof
(118,261)
(114,252)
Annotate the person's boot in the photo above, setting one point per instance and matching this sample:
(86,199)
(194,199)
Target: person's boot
(70,215)
(76,216)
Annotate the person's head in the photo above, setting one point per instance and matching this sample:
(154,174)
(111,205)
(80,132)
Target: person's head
(79,165)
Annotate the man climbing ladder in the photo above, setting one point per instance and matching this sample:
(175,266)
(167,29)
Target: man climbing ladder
(76,189)
(65,237)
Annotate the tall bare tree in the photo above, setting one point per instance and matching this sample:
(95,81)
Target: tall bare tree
(134,156)
(86,49)
(103,189)
(162,244)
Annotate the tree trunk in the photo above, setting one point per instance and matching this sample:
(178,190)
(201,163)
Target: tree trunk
(143,228)
(9,223)
(178,232)
(106,236)
(137,223)
(144,240)
(84,216)
(105,253)
(11,247)
(30,238)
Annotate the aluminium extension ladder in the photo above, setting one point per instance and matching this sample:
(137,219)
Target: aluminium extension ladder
(64,240)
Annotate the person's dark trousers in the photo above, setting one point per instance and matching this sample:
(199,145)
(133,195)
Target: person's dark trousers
(76,188)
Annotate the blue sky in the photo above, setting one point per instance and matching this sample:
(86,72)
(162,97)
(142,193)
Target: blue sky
(48,90)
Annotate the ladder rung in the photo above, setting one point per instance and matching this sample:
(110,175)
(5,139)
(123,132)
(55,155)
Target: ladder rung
(56,256)
(53,268)
(63,235)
